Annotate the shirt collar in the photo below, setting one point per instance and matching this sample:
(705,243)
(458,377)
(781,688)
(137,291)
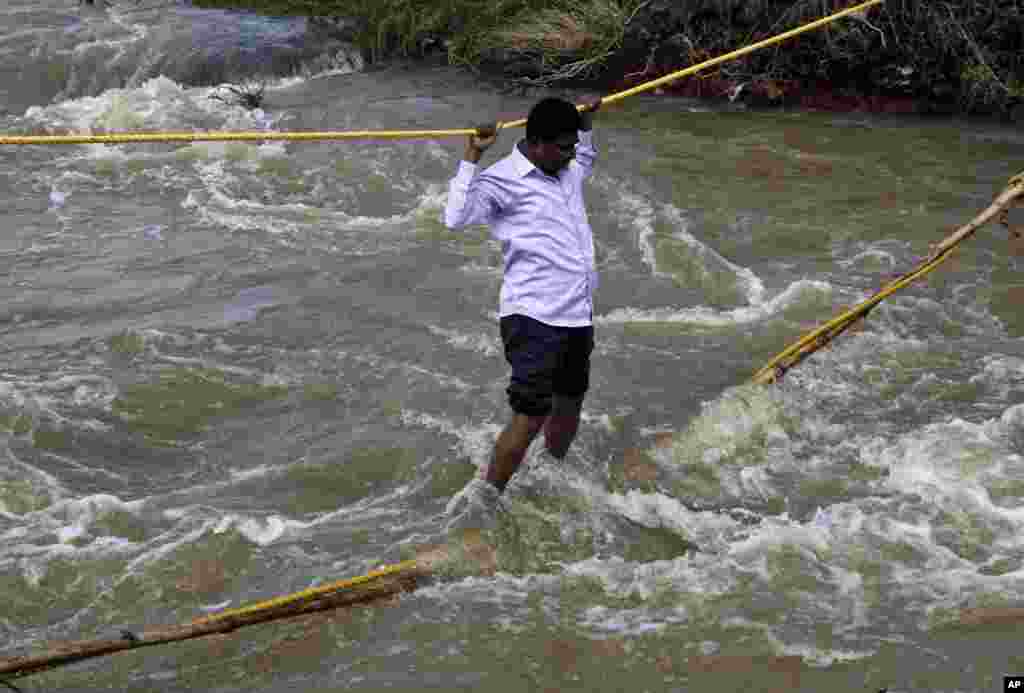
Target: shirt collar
(522,165)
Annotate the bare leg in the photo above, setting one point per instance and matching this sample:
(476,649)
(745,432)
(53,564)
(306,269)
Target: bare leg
(511,447)
(561,427)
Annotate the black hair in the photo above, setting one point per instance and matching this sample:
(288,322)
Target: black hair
(550,118)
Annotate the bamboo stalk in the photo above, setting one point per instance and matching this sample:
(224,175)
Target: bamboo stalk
(814,340)
(470,552)
(1013,194)
(381,588)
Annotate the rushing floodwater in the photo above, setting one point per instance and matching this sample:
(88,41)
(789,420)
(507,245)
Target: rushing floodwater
(232,371)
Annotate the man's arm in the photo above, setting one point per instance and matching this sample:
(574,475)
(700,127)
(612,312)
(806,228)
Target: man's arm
(586,154)
(471,198)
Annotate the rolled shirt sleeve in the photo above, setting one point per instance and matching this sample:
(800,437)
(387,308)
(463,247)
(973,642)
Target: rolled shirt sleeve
(472,199)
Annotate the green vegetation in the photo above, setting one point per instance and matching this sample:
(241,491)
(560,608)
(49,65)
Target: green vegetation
(866,472)
(19,424)
(969,536)
(967,56)
(792,572)
(20,496)
(362,472)
(1007,489)
(324,392)
(698,480)
(48,439)
(182,400)
(127,343)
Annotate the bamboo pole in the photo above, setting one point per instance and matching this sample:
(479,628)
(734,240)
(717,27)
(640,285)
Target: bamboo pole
(470,553)
(381,588)
(814,340)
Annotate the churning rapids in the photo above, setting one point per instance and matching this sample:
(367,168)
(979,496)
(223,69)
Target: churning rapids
(231,371)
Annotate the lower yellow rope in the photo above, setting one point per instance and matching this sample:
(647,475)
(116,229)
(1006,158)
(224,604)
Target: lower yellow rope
(853,314)
(309,594)
(821,336)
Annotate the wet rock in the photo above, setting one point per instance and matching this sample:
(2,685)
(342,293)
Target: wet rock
(741,663)
(664,439)
(994,616)
(637,468)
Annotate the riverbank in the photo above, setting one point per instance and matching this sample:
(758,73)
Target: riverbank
(910,57)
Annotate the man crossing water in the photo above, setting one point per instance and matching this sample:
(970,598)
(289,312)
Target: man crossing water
(533,202)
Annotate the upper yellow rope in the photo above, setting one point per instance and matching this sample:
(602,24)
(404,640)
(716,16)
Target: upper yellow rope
(262,136)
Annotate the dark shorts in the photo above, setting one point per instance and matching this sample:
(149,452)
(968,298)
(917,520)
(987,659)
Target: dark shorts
(546,360)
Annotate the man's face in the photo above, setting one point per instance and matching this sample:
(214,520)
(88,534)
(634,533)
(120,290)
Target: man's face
(552,157)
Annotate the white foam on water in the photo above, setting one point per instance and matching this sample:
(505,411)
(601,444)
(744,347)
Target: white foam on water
(708,530)
(294,220)
(226,202)
(1001,374)
(950,458)
(344,62)
(813,656)
(381,363)
(633,210)
(41,399)
(112,22)
(158,104)
(727,424)
(202,362)
(498,589)
(481,343)
(79,514)
(398,176)
(261,531)
(644,580)
(476,268)
(257,472)
(174,538)
(753,287)
(437,152)
(872,258)
(474,442)
(628,622)
(792,295)
(66,520)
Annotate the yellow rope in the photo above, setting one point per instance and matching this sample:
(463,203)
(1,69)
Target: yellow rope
(122,138)
(309,594)
(845,319)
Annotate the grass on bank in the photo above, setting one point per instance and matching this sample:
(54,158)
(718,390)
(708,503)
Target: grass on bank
(969,54)
(566,38)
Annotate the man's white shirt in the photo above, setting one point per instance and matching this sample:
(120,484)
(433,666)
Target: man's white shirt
(540,220)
